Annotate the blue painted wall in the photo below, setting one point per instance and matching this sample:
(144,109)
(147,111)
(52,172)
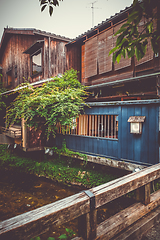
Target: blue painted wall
(142,148)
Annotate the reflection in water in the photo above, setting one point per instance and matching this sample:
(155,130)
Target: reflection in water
(21,193)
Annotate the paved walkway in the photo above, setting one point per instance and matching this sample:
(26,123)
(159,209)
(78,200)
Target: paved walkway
(153,233)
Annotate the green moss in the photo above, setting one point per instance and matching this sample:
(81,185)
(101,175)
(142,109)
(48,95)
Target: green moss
(56,168)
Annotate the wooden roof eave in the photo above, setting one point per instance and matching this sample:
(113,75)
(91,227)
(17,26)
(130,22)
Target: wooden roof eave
(118,82)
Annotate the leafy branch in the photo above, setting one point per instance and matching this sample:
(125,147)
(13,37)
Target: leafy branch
(50,4)
(131,41)
(57,101)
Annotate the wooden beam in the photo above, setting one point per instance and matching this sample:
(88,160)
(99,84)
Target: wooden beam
(125,218)
(35,222)
(139,228)
(143,194)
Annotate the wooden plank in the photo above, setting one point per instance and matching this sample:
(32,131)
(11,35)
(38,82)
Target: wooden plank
(108,127)
(125,62)
(125,218)
(109,191)
(143,194)
(91,57)
(105,44)
(98,124)
(112,126)
(87,225)
(105,125)
(137,230)
(35,222)
(149,52)
(90,127)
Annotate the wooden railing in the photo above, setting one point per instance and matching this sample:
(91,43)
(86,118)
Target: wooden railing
(13,132)
(84,206)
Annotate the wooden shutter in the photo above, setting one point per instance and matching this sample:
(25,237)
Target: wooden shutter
(124,62)
(105,44)
(149,52)
(91,57)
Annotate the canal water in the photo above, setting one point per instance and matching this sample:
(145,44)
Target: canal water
(20,192)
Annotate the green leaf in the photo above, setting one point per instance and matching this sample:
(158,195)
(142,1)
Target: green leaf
(118,58)
(50,10)
(63,236)
(119,39)
(113,50)
(51,238)
(43,8)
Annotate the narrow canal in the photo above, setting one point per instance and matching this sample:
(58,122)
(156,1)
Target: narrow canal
(20,192)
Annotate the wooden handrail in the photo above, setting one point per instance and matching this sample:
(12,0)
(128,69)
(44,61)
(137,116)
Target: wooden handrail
(12,132)
(35,222)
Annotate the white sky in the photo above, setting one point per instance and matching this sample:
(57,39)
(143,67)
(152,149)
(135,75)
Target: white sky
(70,19)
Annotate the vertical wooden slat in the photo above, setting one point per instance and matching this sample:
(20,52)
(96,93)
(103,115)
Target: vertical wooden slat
(104,125)
(98,124)
(143,194)
(82,125)
(87,225)
(114,126)
(111,126)
(92,125)
(108,128)
(87,130)
(89,125)
(79,126)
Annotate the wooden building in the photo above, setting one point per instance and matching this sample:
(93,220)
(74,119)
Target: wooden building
(130,79)
(123,121)
(32,55)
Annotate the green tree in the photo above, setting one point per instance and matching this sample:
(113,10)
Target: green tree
(50,4)
(57,101)
(130,40)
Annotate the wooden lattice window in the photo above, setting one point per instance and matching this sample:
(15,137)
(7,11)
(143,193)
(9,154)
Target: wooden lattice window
(105,126)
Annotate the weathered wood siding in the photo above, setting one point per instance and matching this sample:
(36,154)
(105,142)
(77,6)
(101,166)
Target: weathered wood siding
(96,64)
(73,58)
(105,43)
(141,148)
(125,62)
(15,61)
(18,64)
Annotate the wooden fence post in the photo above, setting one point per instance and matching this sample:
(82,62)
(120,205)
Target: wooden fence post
(143,194)
(87,225)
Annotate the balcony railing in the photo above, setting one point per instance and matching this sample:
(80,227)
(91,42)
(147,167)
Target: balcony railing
(13,131)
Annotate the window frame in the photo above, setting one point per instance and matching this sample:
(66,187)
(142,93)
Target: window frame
(103,126)
(31,62)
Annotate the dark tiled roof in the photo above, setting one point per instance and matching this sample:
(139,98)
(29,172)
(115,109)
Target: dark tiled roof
(101,24)
(27,31)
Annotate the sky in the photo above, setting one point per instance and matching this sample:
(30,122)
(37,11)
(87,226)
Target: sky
(70,19)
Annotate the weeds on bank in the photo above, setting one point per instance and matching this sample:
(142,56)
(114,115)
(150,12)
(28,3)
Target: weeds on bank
(57,168)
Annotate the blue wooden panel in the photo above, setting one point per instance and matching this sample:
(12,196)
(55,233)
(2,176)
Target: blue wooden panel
(145,134)
(130,136)
(137,148)
(124,133)
(152,149)
(137,138)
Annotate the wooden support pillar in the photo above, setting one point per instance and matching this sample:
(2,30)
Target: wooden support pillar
(143,194)
(24,134)
(87,225)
